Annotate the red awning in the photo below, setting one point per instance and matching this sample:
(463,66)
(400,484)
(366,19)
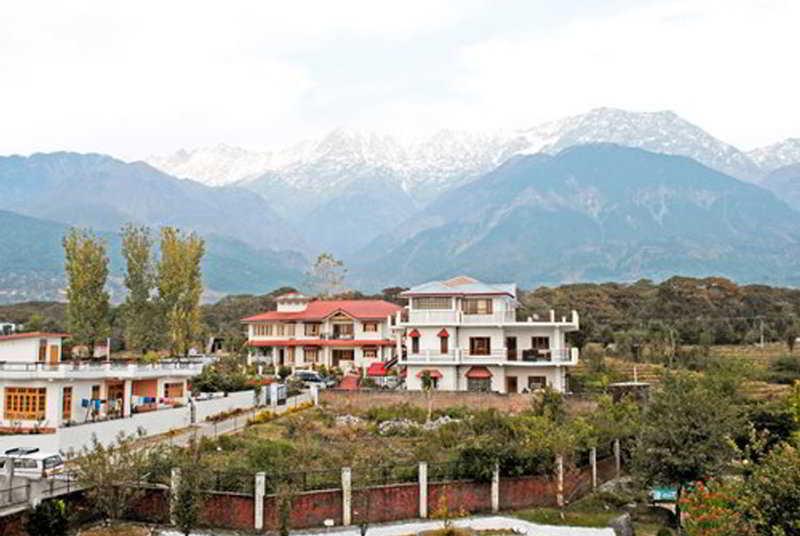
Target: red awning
(443,333)
(435,374)
(413,333)
(479,373)
(377,369)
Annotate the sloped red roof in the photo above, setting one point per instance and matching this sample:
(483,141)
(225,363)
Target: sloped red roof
(413,333)
(321,309)
(435,374)
(443,333)
(33,335)
(377,369)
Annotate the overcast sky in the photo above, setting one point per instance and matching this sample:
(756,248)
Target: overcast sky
(133,78)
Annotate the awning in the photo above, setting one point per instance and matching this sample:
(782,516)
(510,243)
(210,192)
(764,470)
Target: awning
(377,369)
(443,333)
(479,373)
(413,333)
(435,374)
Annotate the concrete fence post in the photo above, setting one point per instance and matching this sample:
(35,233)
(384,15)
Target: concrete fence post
(347,496)
(315,394)
(617,458)
(423,490)
(560,481)
(496,488)
(593,461)
(174,484)
(260,491)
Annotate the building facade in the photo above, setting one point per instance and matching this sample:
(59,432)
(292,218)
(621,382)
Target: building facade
(302,333)
(40,391)
(465,335)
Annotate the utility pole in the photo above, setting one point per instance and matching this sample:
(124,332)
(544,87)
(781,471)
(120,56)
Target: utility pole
(761,329)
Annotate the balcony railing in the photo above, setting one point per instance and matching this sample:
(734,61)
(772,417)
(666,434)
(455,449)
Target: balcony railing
(434,317)
(549,355)
(427,356)
(498,317)
(498,355)
(88,367)
(493,354)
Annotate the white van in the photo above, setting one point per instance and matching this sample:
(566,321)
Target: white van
(31,463)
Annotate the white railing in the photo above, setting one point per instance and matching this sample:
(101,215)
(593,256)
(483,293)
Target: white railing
(496,354)
(498,317)
(88,368)
(433,317)
(427,356)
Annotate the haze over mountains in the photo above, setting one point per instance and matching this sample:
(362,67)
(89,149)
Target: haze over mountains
(547,204)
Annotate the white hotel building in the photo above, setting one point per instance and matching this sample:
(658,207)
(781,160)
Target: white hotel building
(467,336)
(40,391)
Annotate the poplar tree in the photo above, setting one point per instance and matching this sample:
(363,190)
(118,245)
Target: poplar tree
(142,331)
(326,275)
(86,267)
(180,287)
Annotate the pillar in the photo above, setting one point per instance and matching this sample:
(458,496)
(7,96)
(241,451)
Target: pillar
(273,397)
(423,489)
(315,394)
(127,394)
(593,461)
(496,489)
(260,491)
(347,496)
(560,481)
(617,458)
(174,483)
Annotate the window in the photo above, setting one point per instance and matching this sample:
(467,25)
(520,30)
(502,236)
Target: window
(479,385)
(480,346)
(344,331)
(173,390)
(540,343)
(536,382)
(414,345)
(443,344)
(311,355)
(477,306)
(66,403)
(370,352)
(290,330)
(370,326)
(42,350)
(279,330)
(312,329)
(25,403)
(262,330)
(432,302)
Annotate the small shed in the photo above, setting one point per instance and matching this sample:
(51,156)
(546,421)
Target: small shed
(639,391)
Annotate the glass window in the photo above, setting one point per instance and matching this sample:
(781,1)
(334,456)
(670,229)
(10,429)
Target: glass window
(370,326)
(481,385)
(370,353)
(432,302)
(25,403)
(540,343)
(477,306)
(536,382)
(312,329)
(480,346)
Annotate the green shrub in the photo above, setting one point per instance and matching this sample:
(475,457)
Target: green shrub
(379,414)
(49,518)
(284,372)
(663,531)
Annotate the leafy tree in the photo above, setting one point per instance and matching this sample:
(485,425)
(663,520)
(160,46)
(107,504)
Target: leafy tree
(712,509)
(326,275)
(790,336)
(549,403)
(86,266)
(49,518)
(687,431)
(188,499)
(140,311)
(771,495)
(111,473)
(180,287)
(428,385)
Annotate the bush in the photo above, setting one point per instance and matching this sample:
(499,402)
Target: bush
(49,518)
(284,372)
(663,531)
(379,414)
(784,370)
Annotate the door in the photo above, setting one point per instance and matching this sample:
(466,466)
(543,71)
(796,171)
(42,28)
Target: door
(54,354)
(511,348)
(511,384)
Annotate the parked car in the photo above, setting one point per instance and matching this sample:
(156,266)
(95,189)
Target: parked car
(309,377)
(30,462)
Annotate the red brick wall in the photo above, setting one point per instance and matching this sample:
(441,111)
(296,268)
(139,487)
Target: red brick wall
(461,495)
(152,507)
(387,503)
(522,492)
(309,509)
(228,510)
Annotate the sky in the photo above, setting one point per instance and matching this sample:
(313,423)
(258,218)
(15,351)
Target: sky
(135,78)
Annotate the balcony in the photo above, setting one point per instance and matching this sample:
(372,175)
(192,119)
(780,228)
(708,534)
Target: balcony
(87,370)
(498,317)
(434,317)
(558,356)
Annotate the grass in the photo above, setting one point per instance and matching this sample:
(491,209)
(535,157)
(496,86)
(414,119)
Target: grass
(117,529)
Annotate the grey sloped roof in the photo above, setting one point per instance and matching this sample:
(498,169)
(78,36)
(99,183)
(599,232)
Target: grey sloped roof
(462,285)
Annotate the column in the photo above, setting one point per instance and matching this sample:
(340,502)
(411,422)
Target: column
(174,483)
(126,398)
(617,458)
(347,496)
(593,461)
(560,482)
(423,490)
(260,490)
(496,489)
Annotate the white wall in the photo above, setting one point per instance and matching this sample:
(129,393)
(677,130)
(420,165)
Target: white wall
(241,399)
(26,350)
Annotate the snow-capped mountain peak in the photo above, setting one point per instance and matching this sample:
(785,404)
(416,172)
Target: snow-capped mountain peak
(772,157)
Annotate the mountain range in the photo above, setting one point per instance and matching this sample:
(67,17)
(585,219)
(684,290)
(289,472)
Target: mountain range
(525,204)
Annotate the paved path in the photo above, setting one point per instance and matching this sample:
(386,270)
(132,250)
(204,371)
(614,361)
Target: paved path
(414,527)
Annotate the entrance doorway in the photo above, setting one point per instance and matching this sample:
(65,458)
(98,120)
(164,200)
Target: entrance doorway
(511,384)
(511,348)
